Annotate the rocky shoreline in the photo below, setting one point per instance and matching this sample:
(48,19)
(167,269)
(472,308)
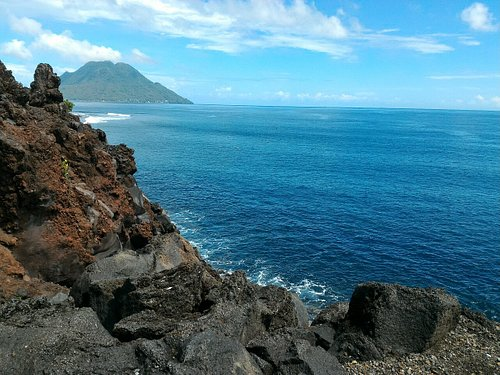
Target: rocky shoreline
(95,279)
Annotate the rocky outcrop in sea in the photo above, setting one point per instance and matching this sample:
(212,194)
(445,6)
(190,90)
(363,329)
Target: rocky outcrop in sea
(96,279)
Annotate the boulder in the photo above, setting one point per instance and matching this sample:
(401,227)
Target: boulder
(178,293)
(41,336)
(211,353)
(293,351)
(105,283)
(276,307)
(244,311)
(389,319)
(192,298)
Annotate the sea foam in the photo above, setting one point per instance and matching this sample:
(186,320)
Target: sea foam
(102,118)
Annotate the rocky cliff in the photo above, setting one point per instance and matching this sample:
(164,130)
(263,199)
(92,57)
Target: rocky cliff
(95,279)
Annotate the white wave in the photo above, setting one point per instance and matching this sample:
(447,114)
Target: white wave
(101,118)
(307,290)
(118,115)
(214,250)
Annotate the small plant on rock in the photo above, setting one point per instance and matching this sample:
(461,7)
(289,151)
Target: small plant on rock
(69,104)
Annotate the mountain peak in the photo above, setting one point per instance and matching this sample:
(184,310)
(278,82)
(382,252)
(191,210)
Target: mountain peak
(115,82)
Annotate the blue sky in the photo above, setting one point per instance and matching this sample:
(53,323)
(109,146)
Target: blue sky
(365,53)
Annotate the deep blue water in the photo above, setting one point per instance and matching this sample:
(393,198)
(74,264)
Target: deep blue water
(320,199)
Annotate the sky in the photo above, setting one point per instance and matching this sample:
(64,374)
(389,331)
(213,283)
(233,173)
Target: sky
(339,53)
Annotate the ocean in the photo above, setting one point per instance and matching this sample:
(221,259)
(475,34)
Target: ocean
(318,200)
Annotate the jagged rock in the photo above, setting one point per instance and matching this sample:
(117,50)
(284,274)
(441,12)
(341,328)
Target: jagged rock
(333,315)
(327,322)
(244,311)
(110,245)
(124,156)
(104,282)
(294,352)
(145,324)
(165,224)
(138,199)
(174,295)
(211,353)
(325,335)
(154,355)
(389,319)
(180,303)
(38,336)
(45,88)
(278,307)
(11,88)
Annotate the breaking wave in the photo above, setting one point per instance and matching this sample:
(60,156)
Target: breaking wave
(220,253)
(102,118)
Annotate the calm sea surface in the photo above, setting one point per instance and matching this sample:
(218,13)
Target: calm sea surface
(320,199)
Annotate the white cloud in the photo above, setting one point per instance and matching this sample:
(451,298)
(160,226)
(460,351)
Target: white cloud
(487,102)
(68,47)
(326,97)
(496,101)
(468,41)
(426,44)
(16,48)
(63,44)
(479,18)
(467,77)
(223,89)
(232,26)
(139,56)
(25,25)
(224,92)
(282,94)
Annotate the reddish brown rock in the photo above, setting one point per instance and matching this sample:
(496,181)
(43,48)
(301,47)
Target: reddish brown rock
(64,189)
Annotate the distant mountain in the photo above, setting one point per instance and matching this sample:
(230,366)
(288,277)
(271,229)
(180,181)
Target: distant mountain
(104,81)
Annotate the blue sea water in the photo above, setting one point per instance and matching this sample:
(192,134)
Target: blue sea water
(321,199)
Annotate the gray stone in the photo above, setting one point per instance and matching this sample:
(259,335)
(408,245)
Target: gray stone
(103,285)
(105,208)
(333,315)
(212,353)
(88,194)
(39,338)
(292,351)
(110,245)
(59,298)
(389,319)
(325,335)
(137,198)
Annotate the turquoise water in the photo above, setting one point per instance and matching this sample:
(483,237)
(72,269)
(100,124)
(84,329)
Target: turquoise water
(320,199)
